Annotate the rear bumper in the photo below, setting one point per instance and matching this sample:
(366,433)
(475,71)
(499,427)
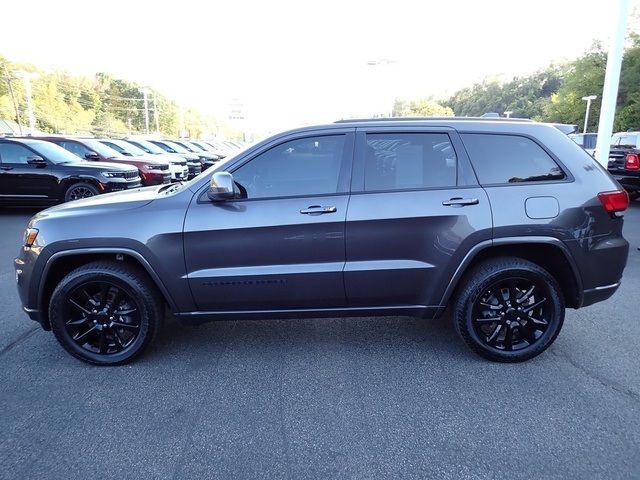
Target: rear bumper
(599,294)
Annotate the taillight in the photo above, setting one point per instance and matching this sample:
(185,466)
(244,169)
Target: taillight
(612,202)
(633,161)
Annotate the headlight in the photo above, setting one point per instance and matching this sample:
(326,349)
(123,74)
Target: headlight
(30,235)
(113,174)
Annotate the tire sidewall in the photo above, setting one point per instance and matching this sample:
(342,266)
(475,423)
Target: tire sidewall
(57,309)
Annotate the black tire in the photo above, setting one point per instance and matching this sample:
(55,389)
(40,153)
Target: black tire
(106,313)
(633,195)
(80,190)
(508,309)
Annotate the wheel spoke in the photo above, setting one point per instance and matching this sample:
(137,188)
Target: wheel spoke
(489,306)
(508,339)
(126,326)
(513,292)
(540,322)
(104,346)
(494,335)
(115,303)
(496,292)
(104,291)
(117,342)
(88,297)
(534,305)
(529,333)
(77,323)
(527,294)
(79,307)
(486,320)
(81,339)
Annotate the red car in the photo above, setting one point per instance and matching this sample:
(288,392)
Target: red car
(152,171)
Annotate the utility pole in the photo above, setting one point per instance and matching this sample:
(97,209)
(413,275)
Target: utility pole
(27,77)
(182,126)
(145,92)
(13,99)
(156,116)
(611,81)
(586,115)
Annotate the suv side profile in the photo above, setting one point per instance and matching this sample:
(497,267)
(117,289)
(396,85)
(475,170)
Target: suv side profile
(506,222)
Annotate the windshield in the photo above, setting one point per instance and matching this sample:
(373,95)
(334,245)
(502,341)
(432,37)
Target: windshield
(194,147)
(125,147)
(100,148)
(201,145)
(54,153)
(147,146)
(175,146)
(625,140)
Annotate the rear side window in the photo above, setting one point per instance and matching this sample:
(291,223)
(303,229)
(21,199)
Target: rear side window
(406,161)
(509,159)
(16,154)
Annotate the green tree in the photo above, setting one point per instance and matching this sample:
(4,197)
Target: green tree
(425,107)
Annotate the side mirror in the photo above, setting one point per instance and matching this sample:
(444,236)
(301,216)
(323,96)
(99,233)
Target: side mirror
(92,156)
(221,187)
(39,161)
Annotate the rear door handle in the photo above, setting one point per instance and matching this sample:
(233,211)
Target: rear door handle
(460,202)
(318,210)
(6,167)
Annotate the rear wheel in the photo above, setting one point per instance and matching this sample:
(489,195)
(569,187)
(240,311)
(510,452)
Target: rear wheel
(80,190)
(509,310)
(633,195)
(105,313)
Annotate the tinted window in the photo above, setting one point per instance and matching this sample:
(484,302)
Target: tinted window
(75,148)
(509,159)
(309,166)
(398,161)
(14,153)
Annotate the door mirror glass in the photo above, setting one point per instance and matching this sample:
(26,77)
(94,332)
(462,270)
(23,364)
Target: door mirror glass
(221,187)
(92,156)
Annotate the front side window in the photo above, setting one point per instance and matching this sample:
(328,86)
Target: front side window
(405,161)
(15,154)
(509,159)
(306,166)
(75,148)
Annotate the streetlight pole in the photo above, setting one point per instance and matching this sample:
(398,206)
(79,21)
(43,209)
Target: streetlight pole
(611,81)
(145,92)
(27,77)
(586,115)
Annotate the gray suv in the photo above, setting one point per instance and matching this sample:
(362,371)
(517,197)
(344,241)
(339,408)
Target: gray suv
(506,223)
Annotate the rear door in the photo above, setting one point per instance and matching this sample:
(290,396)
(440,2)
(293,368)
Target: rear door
(415,211)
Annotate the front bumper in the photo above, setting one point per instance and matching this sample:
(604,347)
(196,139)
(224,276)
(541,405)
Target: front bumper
(117,184)
(195,169)
(156,178)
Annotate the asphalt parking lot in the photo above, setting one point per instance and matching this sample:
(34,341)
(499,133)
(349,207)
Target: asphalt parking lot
(343,398)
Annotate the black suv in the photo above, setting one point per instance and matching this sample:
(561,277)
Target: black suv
(34,172)
(506,222)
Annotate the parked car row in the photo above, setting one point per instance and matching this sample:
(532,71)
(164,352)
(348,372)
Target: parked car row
(45,170)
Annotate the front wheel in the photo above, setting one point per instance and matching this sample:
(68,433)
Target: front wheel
(80,190)
(509,310)
(105,313)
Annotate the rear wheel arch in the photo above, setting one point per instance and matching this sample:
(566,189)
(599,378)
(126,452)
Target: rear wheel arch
(549,253)
(62,263)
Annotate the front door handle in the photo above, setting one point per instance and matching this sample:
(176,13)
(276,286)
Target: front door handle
(318,210)
(460,202)
(6,167)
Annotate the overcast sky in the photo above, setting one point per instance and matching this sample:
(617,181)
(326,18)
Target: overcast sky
(292,62)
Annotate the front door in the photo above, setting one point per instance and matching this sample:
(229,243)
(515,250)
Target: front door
(280,245)
(21,178)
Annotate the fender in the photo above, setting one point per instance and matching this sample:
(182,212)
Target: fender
(126,251)
(496,242)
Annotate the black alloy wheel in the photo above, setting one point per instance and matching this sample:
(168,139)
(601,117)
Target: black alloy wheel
(106,312)
(79,191)
(508,309)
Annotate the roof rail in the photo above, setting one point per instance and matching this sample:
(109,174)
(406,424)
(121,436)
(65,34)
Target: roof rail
(414,119)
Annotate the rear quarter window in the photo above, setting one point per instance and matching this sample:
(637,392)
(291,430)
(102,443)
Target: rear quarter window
(500,159)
